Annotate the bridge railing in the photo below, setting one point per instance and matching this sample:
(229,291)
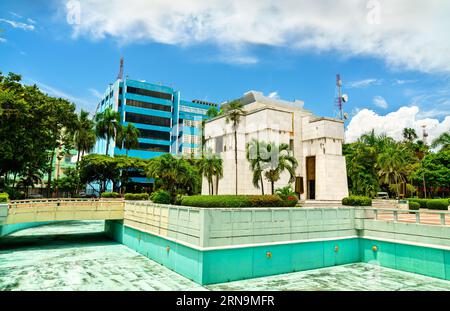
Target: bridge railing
(64,209)
(428,217)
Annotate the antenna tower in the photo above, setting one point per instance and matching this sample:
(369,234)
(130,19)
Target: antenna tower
(120,75)
(424,134)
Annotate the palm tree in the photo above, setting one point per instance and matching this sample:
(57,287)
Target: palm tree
(233,113)
(32,177)
(281,160)
(257,156)
(173,174)
(391,164)
(211,167)
(409,134)
(442,141)
(107,125)
(128,137)
(84,134)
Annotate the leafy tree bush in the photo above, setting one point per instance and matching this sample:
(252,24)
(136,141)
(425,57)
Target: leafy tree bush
(136,196)
(161,196)
(288,195)
(110,195)
(414,206)
(357,201)
(438,204)
(4,197)
(422,202)
(175,175)
(234,201)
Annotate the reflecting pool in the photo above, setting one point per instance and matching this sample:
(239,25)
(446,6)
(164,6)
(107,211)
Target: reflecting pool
(77,256)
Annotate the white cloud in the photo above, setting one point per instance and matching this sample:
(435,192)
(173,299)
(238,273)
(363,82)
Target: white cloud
(393,124)
(379,101)
(95,93)
(52,91)
(19,25)
(401,82)
(3,40)
(363,83)
(274,95)
(412,34)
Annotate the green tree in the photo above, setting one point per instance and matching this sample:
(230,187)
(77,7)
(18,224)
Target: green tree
(280,160)
(127,137)
(258,157)
(234,111)
(176,175)
(212,112)
(443,141)
(97,168)
(409,134)
(211,166)
(69,183)
(107,125)
(84,134)
(436,169)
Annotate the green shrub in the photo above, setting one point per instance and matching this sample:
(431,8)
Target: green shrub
(136,196)
(422,202)
(110,195)
(4,197)
(237,201)
(354,200)
(288,196)
(414,206)
(441,204)
(160,196)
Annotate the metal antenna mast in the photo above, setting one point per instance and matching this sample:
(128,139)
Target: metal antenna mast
(339,99)
(424,134)
(120,76)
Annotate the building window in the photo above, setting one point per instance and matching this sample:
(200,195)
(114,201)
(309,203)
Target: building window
(141,104)
(120,103)
(156,135)
(193,109)
(144,92)
(120,90)
(153,147)
(146,119)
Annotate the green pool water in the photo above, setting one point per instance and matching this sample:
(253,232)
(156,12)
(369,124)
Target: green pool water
(77,256)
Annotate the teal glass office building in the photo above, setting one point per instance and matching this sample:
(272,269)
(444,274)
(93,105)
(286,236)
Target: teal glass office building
(166,123)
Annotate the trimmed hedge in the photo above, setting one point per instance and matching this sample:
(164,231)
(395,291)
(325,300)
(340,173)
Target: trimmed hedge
(110,195)
(441,204)
(161,197)
(136,196)
(238,201)
(4,197)
(354,200)
(422,202)
(414,206)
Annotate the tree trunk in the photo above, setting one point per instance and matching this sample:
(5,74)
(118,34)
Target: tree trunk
(107,145)
(50,170)
(262,185)
(424,187)
(217,185)
(78,157)
(235,159)
(272,184)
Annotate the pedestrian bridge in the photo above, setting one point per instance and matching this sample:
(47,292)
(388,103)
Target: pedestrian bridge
(17,215)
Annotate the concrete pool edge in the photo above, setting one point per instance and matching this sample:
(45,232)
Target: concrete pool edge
(231,264)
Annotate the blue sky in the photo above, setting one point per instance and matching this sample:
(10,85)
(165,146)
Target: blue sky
(207,58)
